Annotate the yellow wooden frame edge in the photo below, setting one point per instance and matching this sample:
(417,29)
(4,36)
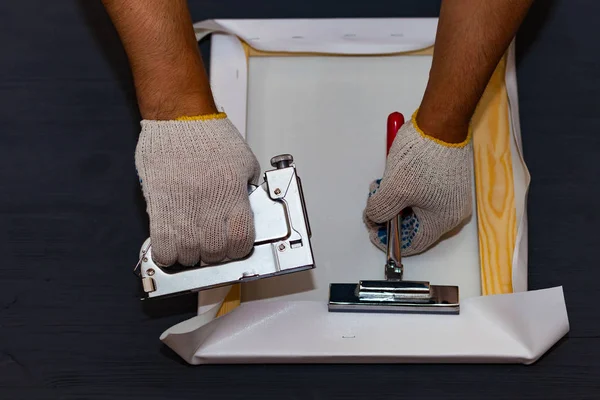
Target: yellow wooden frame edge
(494,181)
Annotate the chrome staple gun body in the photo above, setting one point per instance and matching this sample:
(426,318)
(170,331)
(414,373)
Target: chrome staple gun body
(282,244)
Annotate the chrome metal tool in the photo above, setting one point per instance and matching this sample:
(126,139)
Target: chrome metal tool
(394,294)
(282,243)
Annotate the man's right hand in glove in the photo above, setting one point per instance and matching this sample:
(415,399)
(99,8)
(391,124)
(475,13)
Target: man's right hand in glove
(428,171)
(195,176)
(193,164)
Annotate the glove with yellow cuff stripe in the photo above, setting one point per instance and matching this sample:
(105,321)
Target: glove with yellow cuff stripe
(195,173)
(429,180)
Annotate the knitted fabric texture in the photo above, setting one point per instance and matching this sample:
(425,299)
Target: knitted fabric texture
(427,180)
(195,176)
(378,232)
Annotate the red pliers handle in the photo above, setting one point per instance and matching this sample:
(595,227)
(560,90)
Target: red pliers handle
(394,123)
(393,266)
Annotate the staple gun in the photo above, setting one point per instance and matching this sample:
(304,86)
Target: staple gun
(282,244)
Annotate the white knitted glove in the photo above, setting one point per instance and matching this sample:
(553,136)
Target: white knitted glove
(427,179)
(195,176)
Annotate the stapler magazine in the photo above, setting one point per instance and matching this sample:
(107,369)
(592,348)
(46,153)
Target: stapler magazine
(282,244)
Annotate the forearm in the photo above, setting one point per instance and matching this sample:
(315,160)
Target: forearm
(168,72)
(472,37)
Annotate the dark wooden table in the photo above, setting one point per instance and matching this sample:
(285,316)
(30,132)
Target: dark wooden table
(72,218)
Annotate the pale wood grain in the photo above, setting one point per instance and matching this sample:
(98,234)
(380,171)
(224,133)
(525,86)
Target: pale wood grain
(494,186)
(252,52)
(232,300)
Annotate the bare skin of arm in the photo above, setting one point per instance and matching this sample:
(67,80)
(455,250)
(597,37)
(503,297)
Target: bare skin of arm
(171,80)
(168,72)
(472,37)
